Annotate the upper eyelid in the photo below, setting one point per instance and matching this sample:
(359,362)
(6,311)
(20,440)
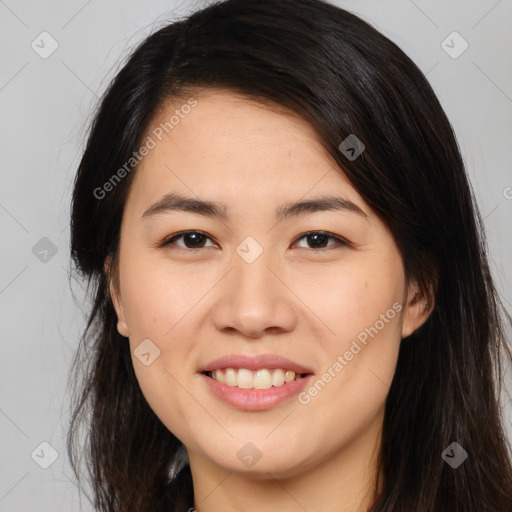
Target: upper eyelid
(183,233)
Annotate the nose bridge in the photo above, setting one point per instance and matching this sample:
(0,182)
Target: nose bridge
(254,299)
(253,281)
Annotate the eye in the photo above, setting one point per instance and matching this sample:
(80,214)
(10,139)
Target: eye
(191,239)
(197,240)
(319,239)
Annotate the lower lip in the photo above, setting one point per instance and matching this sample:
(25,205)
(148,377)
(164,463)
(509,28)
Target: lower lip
(256,399)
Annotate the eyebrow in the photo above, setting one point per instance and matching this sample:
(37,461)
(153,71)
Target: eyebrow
(176,202)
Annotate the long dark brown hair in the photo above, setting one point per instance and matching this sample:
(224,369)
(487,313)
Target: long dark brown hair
(343,77)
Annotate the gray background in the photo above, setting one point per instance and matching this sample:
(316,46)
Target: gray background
(46,104)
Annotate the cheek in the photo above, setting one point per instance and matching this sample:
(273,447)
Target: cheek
(157,296)
(363,308)
(351,298)
(164,390)
(158,306)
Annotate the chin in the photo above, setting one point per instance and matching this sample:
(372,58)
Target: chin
(277,465)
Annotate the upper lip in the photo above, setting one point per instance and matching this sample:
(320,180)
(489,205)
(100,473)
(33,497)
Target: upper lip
(257,362)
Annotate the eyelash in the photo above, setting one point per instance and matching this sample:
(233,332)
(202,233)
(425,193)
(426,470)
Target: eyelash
(170,241)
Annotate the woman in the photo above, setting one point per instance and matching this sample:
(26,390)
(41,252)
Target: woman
(292,307)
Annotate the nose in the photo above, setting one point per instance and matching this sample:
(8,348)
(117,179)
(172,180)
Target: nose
(254,300)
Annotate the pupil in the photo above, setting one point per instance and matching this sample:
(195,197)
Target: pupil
(317,236)
(193,238)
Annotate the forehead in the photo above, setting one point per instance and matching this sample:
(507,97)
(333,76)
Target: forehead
(231,148)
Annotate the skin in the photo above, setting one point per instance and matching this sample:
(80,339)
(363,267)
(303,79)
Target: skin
(197,303)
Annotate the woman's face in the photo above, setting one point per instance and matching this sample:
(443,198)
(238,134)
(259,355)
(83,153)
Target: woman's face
(249,284)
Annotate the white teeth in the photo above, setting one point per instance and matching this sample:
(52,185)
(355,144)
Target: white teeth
(244,379)
(219,376)
(230,377)
(260,379)
(289,376)
(278,377)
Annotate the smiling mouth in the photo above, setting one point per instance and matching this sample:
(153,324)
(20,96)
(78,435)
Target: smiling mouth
(260,379)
